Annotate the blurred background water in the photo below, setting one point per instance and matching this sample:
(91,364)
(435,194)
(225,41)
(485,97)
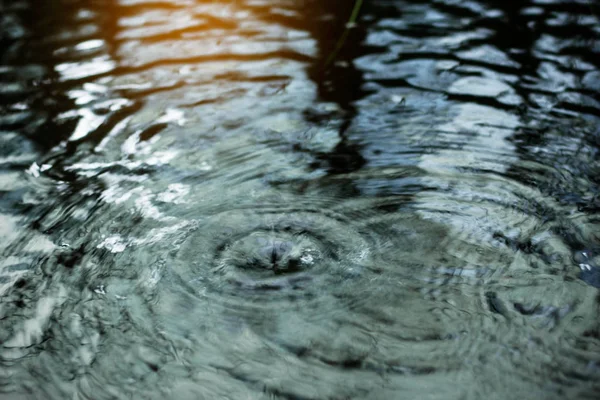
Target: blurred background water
(255,199)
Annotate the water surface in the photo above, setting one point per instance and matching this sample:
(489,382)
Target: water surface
(257,200)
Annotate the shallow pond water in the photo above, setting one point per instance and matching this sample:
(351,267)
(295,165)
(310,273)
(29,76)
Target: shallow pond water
(257,199)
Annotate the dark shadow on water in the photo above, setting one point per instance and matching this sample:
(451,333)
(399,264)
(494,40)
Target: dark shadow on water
(32,52)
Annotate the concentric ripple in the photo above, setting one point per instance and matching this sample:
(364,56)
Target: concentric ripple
(270,248)
(296,272)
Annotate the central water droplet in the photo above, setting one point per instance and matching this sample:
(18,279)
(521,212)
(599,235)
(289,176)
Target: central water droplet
(277,252)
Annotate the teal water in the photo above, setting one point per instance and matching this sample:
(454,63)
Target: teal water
(196,202)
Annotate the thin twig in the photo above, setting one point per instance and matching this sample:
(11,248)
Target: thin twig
(349,25)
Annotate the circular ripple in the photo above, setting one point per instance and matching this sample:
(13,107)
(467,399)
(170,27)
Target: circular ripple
(323,279)
(271,250)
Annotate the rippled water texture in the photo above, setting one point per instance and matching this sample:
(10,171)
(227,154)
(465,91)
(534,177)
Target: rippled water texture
(254,199)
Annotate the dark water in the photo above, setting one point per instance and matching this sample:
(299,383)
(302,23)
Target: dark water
(225,200)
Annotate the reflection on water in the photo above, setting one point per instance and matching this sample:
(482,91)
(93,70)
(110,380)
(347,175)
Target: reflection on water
(194,203)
